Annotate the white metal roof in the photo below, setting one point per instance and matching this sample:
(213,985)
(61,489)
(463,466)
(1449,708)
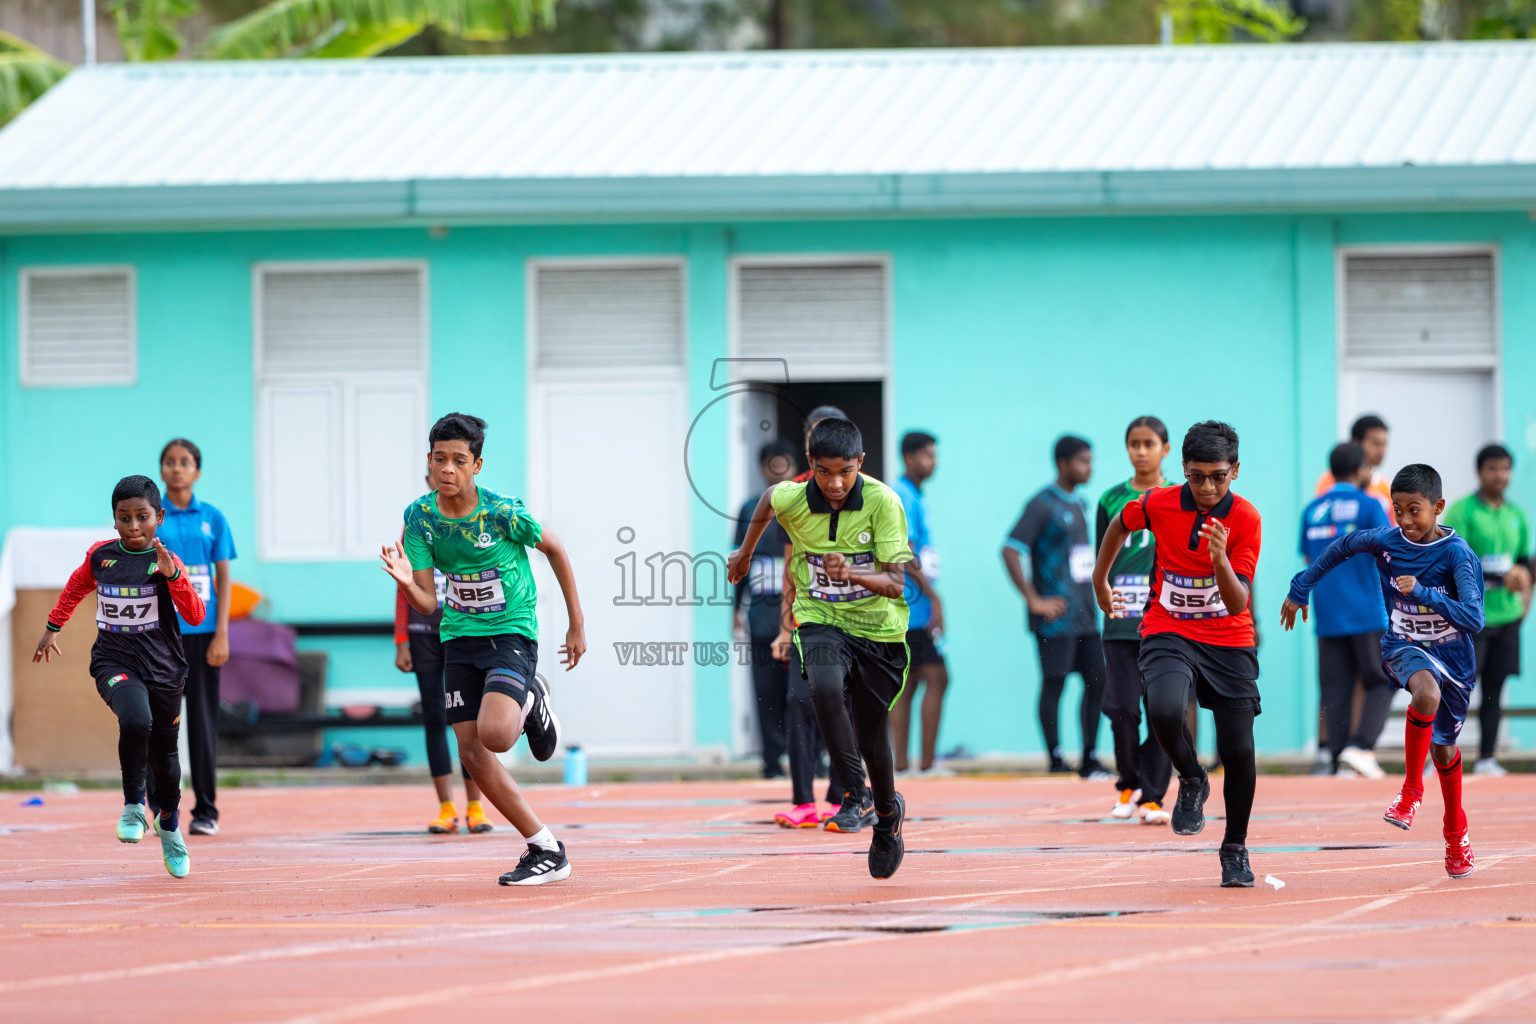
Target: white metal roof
(863,130)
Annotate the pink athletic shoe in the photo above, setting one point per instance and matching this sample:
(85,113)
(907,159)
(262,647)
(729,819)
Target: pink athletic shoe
(803,816)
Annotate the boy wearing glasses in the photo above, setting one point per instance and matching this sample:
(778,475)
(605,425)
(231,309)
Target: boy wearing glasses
(1198,629)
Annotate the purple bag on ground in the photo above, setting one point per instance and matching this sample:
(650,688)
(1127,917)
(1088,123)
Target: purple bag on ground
(263,666)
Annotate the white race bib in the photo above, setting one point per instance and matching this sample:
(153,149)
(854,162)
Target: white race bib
(1081,562)
(1133,592)
(1497,566)
(202,581)
(476,593)
(127,609)
(766,577)
(929,556)
(1421,624)
(825,588)
(1191,597)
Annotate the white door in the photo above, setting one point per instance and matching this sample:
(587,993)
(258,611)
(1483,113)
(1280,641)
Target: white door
(611,485)
(607,416)
(1441,417)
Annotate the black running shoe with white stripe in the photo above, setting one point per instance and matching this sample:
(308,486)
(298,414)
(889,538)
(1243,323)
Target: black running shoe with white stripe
(542,727)
(1189,811)
(538,866)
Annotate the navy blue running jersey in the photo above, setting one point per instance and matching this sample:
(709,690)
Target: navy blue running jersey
(1444,611)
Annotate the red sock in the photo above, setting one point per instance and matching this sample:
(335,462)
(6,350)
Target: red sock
(1415,750)
(1450,788)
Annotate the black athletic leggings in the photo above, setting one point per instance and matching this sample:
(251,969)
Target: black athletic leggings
(1490,714)
(147,734)
(1167,699)
(427,660)
(861,727)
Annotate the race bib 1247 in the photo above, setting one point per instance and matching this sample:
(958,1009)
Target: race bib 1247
(127,609)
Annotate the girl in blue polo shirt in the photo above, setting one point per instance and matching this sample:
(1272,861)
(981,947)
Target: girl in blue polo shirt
(198,534)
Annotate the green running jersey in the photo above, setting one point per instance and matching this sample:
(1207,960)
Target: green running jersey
(1499,537)
(1131,573)
(484,557)
(870,527)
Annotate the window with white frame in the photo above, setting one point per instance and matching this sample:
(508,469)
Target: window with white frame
(600,316)
(824,318)
(341,405)
(77,327)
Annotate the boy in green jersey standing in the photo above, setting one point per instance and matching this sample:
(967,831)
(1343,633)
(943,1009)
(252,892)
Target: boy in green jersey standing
(479,540)
(1500,536)
(849,539)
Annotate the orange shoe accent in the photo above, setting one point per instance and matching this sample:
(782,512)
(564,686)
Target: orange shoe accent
(475,820)
(446,822)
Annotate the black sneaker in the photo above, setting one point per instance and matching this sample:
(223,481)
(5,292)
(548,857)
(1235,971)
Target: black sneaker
(1189,812)
(1092,769)
(1060,767)
(887,847)
(542,727)
(538,866)
(1235,873)
(857,811)
(204,827)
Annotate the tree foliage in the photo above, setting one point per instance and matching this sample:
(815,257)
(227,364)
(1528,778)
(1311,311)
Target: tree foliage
(25,74)
(362,28)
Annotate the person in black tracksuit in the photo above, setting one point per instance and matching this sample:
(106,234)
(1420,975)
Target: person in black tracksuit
(138,661)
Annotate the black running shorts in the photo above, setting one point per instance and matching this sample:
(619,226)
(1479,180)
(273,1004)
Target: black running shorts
(476,665)
(1223,677)
(878,668)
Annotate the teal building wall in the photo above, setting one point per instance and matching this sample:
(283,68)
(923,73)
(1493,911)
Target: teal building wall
(1005,334)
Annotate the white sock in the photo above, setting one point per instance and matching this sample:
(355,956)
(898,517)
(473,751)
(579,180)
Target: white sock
(544,839)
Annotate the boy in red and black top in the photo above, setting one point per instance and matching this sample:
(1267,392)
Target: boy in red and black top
(138,661)
(1198,629)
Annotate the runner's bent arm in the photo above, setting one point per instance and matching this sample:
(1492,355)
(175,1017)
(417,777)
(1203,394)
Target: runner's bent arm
(1234,592)
(1111,538)
(183,595)
(741,558)
(81,582)
(576,627)
(1465,615)
(1334,555)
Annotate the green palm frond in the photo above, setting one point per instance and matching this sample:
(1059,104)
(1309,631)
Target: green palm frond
(291,27)
(1224,21)
(147,28)
(25,74)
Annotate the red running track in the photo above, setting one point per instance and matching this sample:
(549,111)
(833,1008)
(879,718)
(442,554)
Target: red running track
(1016,902)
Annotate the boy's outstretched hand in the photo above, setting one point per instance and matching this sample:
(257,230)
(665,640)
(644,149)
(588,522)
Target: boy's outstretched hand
(574,647)
(47,647)
(164,560)
(1288,613)
(396,564)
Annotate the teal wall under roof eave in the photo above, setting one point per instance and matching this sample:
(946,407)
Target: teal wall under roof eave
(1007,332)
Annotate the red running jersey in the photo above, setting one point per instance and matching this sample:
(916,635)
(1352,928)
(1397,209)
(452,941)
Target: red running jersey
(1184,597)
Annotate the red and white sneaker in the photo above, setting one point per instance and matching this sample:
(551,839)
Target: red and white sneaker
(1125,804)
(803,816)
(1458,854)
(1400,811)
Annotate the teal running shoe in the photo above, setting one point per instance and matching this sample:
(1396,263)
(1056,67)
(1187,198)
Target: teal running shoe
(131,826)
(174,850)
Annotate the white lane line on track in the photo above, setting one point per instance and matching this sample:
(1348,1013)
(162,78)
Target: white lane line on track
(1297,934)
(1479,1002)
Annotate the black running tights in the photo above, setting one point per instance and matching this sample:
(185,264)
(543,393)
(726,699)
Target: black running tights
(146,740)
(1167,698)
(1490,714)
(862,728)
(1088,710)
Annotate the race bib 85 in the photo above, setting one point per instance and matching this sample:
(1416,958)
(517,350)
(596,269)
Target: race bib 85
(476,593)
(202,581)
(1191,597)
(825,588)
(766,577)
(1080,562)
(127,609)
